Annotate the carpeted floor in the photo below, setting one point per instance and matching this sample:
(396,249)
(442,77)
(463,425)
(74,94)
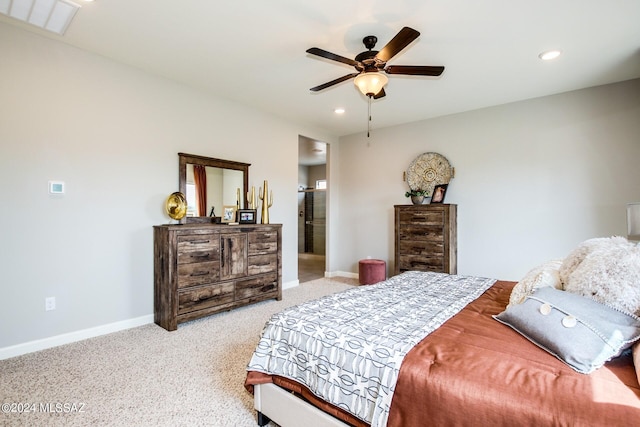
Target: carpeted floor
(147,376)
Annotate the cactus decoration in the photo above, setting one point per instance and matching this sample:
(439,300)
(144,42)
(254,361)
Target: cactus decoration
(251,198)
(267,202)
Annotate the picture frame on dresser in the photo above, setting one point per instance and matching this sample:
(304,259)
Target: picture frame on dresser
(246,216)
(439,191)
(228,214)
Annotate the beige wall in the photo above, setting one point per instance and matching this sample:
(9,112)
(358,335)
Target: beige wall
(532,179)
(112,134)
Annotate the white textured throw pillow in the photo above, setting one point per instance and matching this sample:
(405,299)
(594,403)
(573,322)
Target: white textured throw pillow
(543,275)
(609,274)
(576,256)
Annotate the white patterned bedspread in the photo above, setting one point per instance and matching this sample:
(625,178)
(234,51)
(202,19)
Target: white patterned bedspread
(347,348)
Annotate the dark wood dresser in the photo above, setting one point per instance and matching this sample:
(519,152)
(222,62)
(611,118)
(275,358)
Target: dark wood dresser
(201,269)
(425,238)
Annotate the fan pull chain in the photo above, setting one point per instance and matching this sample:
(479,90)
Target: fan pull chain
(369,117)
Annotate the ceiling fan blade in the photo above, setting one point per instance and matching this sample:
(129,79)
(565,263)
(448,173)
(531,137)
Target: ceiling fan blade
(401,40)
(334,82)
(332,56)
(414,70)
(380,94)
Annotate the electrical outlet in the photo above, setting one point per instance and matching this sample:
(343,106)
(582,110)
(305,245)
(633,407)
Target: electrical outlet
(50,303)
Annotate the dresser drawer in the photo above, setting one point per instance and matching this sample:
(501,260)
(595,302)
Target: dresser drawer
(199,273)
(260,264)
(433,217)
(198,248)
(263,242)
(256,287)
(420,263)
(422,248)
(202,297)
(421,232)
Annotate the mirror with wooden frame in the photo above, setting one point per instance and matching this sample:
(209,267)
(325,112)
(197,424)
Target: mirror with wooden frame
(211,184)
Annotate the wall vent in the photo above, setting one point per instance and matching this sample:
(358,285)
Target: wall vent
(51,15)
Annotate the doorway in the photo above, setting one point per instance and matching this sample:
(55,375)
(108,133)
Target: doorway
(312,208)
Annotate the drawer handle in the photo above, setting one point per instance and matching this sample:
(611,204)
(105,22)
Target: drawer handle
(202,273)
(198,242)
(201,255)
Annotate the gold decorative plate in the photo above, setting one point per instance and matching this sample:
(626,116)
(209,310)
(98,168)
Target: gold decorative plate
(176,205)
(428,170)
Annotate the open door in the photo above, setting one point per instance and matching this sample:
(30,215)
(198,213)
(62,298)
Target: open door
(312,209)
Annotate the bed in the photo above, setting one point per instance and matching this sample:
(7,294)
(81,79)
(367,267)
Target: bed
(468,368)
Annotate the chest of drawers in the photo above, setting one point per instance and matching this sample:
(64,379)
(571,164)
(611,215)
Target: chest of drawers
(425,238)
(201,269)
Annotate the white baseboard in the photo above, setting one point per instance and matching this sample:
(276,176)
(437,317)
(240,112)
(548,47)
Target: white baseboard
(327,274)
(291,284)
(348,274)
(50,342)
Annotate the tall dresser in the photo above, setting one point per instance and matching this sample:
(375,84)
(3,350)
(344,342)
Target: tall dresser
(201,269)
(425,238)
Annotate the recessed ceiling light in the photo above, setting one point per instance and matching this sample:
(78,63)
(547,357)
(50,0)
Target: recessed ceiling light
(339,111)
(549,55)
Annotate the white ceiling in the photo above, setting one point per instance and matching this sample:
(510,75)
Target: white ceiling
(254,51)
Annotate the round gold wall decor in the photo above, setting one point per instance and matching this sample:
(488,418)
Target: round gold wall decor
(428,170)
(176,205)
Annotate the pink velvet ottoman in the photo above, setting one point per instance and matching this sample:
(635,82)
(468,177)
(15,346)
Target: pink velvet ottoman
(372,271)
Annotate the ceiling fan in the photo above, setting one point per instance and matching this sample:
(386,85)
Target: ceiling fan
(371,63)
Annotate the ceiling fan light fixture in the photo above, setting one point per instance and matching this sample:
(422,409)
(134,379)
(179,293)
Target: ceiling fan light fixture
(370,83)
